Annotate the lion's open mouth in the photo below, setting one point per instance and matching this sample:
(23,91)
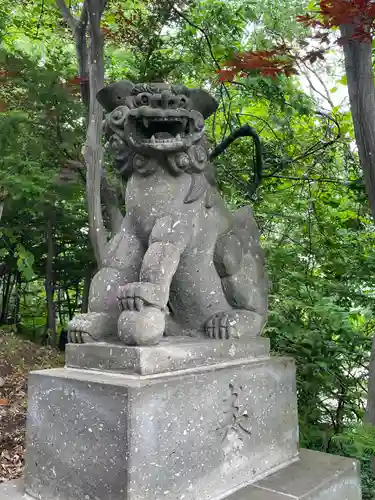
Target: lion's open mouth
(161,129)
(147,128)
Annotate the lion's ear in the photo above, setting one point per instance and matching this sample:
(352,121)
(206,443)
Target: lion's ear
(115,94)
(203,102)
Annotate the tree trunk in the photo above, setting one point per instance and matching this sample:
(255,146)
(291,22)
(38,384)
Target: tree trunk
(358,66)
(110,201)
(71,309)
(93,151)
(60,299)
(3,195)
(7,292)
(86,290)
(90,59)
(50,279)
(370,410)
(17,301)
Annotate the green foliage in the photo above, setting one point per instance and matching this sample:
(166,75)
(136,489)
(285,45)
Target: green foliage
(311,207)
(359,440)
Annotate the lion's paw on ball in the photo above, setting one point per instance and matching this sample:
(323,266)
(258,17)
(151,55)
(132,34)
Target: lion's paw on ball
(143,328)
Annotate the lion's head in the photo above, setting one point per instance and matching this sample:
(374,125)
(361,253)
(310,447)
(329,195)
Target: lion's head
(155,117)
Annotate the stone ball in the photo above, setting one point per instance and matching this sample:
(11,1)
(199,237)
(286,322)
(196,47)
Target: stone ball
(145,327)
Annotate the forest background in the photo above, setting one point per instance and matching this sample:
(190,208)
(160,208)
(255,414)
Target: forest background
(312,205)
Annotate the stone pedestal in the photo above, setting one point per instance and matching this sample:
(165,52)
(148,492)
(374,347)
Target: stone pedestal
(201,426)
(187,419)
(314,476)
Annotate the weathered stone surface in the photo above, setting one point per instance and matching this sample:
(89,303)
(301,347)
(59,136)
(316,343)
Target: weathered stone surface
(13,490)
(195,434)
(169,355)
(316,476)
(181,262)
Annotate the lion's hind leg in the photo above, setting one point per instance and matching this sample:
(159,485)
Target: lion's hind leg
(240,263)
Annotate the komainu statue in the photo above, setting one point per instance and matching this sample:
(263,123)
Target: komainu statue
(182,263)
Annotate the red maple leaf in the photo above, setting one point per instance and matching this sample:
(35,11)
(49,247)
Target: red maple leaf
(77,80)
(270,71)
(226,75)
(269,63)
(306,19)
(279,60)
(4,73)
(336,12)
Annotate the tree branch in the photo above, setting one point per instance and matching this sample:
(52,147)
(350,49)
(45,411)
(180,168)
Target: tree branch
(93,151)
(3,196)
(108,194)
(325,96)
(210,49)
(70,20)
(202,31)
(90,56)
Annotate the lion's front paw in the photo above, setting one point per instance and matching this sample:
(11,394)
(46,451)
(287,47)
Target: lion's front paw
(133,296)
(77,336)
(222,325)
(92,327)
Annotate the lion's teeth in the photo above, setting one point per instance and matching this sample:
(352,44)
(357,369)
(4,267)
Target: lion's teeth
(153,139)
(145,122)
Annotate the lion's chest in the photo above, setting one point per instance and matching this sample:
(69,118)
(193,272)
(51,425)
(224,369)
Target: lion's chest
(150,198)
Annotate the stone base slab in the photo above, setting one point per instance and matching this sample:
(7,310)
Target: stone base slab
(316,476)
(188,435)
(172,354)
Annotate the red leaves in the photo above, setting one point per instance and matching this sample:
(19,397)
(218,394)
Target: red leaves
(4,73)
(105,30)
(306,19)
(333,13)
(279,61)
(330,13)
(267,62)
(3,106)
(309,20)
(77,80)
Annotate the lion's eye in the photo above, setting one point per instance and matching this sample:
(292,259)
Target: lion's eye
(183,102)
(143,99)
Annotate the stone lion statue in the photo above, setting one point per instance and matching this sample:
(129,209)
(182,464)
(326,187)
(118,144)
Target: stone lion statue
(182,263)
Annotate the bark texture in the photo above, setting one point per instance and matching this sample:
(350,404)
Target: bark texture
(358,66)
(3,195)
(90,58)
(359,72)
(50,278)
(93,151)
